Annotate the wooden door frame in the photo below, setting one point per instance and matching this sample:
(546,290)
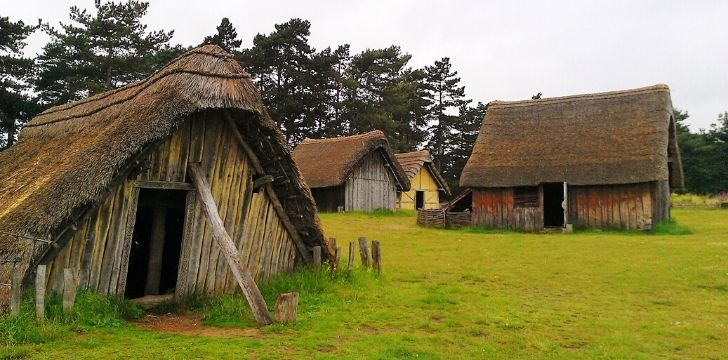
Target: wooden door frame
(190,203)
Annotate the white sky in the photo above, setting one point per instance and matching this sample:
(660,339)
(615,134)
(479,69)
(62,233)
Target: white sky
(506,50)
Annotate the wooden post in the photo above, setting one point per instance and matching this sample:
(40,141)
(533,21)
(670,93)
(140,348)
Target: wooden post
(350,266)
(69,290)
(317,257)
(156,251)
(228,248)
(332,243)
(376,256)
(337,258)
(16,292)
(286,305)
(364,251)
(40,286)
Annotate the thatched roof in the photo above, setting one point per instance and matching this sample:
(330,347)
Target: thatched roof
(616,137)
(412,162)
(68,155)
(329,162)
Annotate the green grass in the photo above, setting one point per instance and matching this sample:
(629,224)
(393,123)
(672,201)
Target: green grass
(468,294)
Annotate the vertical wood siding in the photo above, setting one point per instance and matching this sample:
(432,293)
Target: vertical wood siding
(493,207)
(265,246)
(626,206)
(371,185)
(422,181)
(629,206)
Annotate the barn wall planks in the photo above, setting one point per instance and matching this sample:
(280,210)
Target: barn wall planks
(627,206)
(371,185)
(265,245)
(494,208)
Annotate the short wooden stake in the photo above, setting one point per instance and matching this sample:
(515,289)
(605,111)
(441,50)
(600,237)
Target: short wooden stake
(40,286)
(364,251)
(376,256)
(317,257)
(332,243)
(69,290)
(350,265)
(337,258)
(16,292)
(286,305)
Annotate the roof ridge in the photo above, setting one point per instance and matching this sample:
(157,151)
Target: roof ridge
(143,84)
(579,97)
(105,94)
(370,134)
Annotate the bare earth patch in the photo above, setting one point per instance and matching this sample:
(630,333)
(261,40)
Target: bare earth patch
(191,324)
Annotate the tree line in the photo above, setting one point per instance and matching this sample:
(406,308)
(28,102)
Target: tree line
(309,92)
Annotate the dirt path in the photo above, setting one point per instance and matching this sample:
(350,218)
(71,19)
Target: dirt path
(191,324)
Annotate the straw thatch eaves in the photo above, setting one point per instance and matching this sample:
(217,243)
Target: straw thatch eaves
(616,137)
(70,154)
(412,162)
(329,162)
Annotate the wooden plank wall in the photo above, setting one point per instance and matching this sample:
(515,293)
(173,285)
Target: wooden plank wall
(263,241)
(422,181)
(493,207)
(371,185)
(626,206)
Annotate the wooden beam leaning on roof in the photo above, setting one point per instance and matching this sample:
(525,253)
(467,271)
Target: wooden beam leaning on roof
(227,247)
(285,219)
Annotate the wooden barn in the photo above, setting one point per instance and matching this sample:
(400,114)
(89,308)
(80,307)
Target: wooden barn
(425,181)
(357,172)
(123,186)
(605,160)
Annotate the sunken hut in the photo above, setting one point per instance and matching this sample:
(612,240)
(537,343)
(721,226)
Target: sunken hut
(605,160)
(105,186)
(425,181)
(350,173)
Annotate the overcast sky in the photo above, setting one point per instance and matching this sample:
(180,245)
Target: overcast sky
(503,50)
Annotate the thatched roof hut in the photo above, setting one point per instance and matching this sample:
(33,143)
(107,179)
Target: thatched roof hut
(605,139)
(426,181)
(357,172)
(72,159)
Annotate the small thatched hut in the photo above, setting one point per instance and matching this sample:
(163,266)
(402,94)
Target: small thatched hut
(349,173)
(596,160)
(426,182)
(103,185)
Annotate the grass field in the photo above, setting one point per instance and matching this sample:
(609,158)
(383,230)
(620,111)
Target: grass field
(472,294)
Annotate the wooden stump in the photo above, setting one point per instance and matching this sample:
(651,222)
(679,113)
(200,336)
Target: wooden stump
(350,265)
(16,292)
(337,258)
(317,257)
(364,251)
(286,305)
(40,286)
(376,257)
(332,243)
(69,290)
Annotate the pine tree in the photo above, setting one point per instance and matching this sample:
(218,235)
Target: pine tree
(445,94)
(16,107)
(467,125)
(226,37)
(101,51)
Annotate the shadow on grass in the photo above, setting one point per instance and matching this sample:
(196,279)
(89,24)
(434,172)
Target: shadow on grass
(670,227)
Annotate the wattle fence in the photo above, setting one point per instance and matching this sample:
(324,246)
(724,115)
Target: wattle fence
(440,218)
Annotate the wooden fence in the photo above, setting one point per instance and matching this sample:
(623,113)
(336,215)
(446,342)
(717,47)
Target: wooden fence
(440,218)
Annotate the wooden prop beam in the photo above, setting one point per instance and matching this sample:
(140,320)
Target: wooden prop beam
(227,247)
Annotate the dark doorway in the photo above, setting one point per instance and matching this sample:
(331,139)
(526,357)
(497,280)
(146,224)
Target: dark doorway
(419,200)
(553,213)
(156,243)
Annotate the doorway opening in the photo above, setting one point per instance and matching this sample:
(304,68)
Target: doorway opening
(419,200)
(156,243)
(553,212)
